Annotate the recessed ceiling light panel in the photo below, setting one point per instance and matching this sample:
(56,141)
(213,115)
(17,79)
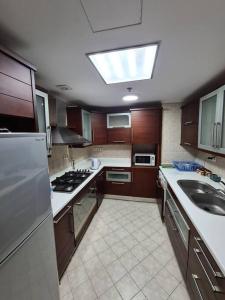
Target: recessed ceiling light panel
(123,65)
(130,97)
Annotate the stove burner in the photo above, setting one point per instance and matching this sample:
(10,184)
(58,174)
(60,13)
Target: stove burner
(70,180)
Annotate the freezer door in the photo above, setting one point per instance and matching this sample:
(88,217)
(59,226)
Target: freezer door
(30,272)
(24,188)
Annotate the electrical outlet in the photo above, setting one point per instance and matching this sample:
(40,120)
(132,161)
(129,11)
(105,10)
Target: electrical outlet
(212,158)
(65,156)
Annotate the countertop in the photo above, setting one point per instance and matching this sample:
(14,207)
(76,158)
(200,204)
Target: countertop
(210,227)
(60,200)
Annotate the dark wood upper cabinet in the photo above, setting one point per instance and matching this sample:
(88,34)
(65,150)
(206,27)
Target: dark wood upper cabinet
(79,121)
(189,124)
(146,125)
(99,131)
(119,135)
(17,90)
(144,182)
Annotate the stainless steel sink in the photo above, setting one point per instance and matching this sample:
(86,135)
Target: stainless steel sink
(204,196)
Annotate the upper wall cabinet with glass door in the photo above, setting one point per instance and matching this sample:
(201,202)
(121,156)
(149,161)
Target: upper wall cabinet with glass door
(212,122)
(119,120)
(42,110)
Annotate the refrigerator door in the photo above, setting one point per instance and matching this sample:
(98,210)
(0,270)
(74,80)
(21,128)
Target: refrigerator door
(30,272)
(24,188)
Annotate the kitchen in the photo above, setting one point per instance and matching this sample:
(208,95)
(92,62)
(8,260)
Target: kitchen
(112,181)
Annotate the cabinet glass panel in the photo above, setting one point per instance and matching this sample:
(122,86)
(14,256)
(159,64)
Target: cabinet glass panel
(208,116)
(223,125)
(86,119)
(118,176)
(40,106)
(118,120)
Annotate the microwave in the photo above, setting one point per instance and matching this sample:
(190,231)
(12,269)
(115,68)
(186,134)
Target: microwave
(144,159)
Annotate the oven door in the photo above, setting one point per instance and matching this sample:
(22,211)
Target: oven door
(118,176)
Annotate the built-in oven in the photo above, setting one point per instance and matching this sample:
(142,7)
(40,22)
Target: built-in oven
(118,175)
(181,224)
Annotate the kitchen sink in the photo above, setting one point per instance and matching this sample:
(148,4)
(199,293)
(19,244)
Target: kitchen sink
(204,196)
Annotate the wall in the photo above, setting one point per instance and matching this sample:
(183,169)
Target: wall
(217,167)
(171,134)
(62,155)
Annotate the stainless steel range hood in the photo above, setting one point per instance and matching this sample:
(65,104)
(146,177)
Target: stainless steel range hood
(61,134)
(66,136)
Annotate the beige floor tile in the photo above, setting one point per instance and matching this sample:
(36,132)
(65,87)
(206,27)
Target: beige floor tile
(153,291)
(139,296)
(152,265)
(107,257)
(128,260)
(140,275)
(127,287)
(119,248)
(179,293)
(140,252)
(101,282)
(162,255)
(168,282)
(84,291)
(116,270)
(77,276)
(173,268)
(111,294)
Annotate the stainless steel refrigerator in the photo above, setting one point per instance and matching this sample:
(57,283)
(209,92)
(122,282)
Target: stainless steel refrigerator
(28,268)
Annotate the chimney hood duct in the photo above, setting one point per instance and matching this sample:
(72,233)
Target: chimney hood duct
(66,136)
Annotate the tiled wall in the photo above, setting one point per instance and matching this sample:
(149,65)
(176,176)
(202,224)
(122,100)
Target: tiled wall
(62,155)
(59,159)
(171,133)
(217,167)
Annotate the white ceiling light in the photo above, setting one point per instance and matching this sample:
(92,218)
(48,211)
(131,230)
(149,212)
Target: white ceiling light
(130,96)
(125,65)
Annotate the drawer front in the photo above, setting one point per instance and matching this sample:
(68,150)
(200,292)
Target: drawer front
(119,136)
(15,88)
(117,188)
(118,176)
(16,107)
(14,69)
(213,277)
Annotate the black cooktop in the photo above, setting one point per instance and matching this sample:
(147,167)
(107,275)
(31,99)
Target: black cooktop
(68,182)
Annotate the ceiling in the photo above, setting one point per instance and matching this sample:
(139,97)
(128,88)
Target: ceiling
(55,35)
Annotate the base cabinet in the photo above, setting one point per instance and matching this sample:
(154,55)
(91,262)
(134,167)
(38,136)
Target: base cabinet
(64,238)
(100,187)
(144,182)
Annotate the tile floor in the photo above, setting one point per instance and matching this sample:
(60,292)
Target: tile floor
(125,254)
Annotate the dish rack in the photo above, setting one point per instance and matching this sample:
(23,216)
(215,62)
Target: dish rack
(187,166)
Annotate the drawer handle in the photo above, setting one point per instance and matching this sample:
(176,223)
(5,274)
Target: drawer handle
(187,144)
(113,182)
(60,218)
(118,169)
(195,278)
(78,204)
(118,141)
(173,227)
(188,123)
(215,273)
(215,288)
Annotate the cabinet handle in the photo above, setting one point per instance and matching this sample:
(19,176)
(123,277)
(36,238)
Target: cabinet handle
(195,278)
(187,144)
(188,123)
(173,227)
(118,169)
(93,135)
(213,135)
(118,141)
(215,288)
(113,182)
(71,223)
(215,273)
(78,204)
(218,135)
(60,218)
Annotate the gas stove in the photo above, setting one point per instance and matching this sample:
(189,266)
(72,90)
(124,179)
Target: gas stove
(68,182)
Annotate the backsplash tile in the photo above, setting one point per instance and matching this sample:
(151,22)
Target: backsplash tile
(217,167)
(59,159)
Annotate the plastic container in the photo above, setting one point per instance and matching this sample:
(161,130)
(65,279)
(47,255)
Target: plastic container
(187,166)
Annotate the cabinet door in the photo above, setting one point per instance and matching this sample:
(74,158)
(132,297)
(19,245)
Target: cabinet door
(119,120)
(189,124)
(64,238)
(119,136)
(144,182)
(99,131)
(100,185)
(146,126)
(207,122)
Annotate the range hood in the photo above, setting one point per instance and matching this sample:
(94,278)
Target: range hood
(66,136)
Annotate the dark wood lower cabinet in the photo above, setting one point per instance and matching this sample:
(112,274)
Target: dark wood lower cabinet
(118,188)
(144,182)
(64,238)
(100,187)
(160,198)
(203,277)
